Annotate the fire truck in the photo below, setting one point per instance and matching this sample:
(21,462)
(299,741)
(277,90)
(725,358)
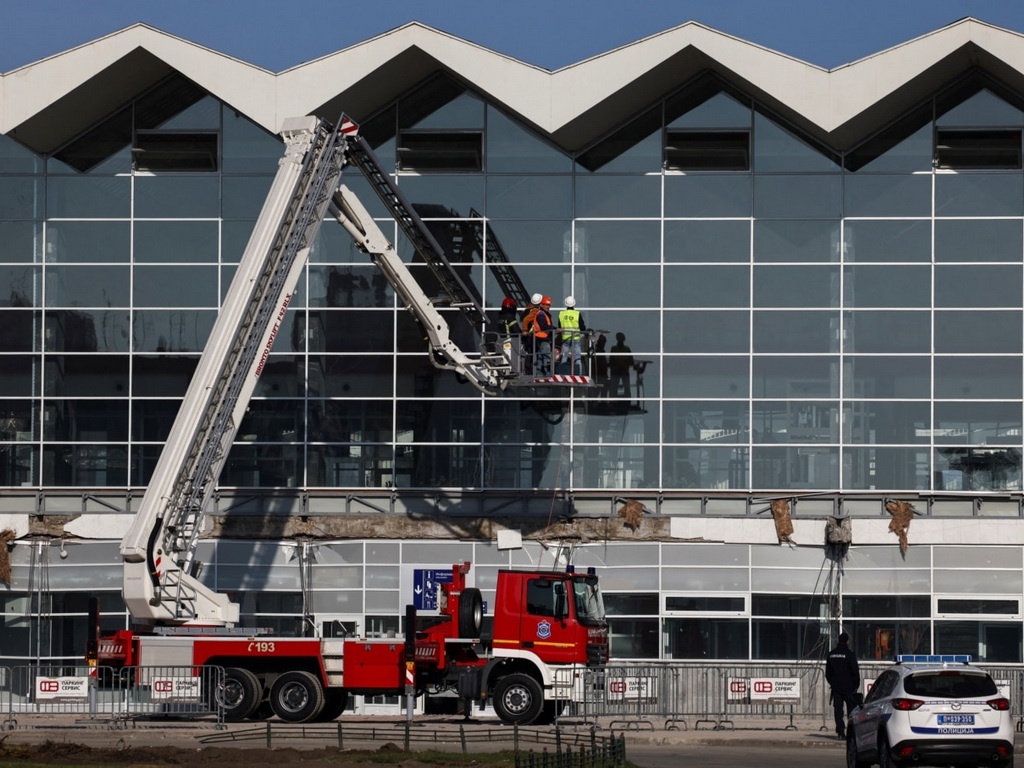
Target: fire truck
(548,625)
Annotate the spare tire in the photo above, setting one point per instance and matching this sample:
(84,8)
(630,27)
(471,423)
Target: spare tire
(471,612)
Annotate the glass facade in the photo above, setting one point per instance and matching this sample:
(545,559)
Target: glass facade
(797,320)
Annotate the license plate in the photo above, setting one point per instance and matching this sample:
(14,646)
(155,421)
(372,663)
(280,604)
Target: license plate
(956,719)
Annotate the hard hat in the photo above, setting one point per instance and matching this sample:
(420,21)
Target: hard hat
(508,303)
(570,302)
(535,299)
(546,300)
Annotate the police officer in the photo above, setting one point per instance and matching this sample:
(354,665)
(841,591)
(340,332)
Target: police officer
(842,673)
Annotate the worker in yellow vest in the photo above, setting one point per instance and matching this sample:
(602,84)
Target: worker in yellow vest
(570,321)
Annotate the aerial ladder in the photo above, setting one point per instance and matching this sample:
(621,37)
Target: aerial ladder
(161,574)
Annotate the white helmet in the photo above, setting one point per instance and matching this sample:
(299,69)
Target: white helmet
(535,299)
(570,302)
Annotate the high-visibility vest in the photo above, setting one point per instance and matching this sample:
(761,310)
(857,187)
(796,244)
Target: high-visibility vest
(569,319)
(534,326)
(529,319)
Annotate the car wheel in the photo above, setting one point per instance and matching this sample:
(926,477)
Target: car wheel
(853,758)
(518,699)
(241,694)
(884,755)
(297,697)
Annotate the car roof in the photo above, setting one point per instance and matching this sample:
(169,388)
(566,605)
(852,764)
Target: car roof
(917,662)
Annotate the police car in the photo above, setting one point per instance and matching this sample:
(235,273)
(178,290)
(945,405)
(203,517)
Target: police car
(931,710)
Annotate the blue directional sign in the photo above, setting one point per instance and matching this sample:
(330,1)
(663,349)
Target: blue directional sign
(424,587)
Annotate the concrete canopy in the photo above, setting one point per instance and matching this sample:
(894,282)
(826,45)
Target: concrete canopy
(45,104)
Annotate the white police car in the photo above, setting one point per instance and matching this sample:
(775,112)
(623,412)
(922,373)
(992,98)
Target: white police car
(931,710)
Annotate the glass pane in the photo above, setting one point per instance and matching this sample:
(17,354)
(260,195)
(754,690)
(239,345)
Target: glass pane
(20,286)
(720,111)
(888,241)
(21,197)
(161,375)
(20,330)
(978,378)
(20,241)
(978,240)
(14,158)
(544,241)
(707,241)
(899,376)
(607,286)
(170,286)
(86,375)
(706,467)
(816,467)
(871,195)
(913,153)
(719,195)
(461,193)
(887,286)
(978,286)
(872,469)
(887,331)
(21,375)
(87,286)
(513,149)
(803,286)
(707,286)
(979,194)
(629,241)
(785,377)
(802,241)
(618,196)
(775,149)
(243,198)
(983,110)
(246,147)
(706,639)
(88,197)
(88,241)
(176,241)
(978,331)
(794,197)
(465,111)
(795,421)
(706,377)
(709,421)
(173,197)
(85,465)
(152,419)
(82,331)
(790,331)
(977,469)
(171,330)
(977,423)
(81,420)
(707,331)
(886,422)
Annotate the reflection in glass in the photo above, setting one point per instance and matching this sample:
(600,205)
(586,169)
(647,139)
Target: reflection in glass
(874,421)
(972,423)
(796,241)
(882,468)
(978,240)
(990,285)
(811,467)
(705,467)
(978,469)
(707,286)
(694,241)
(793,331)
(804,286)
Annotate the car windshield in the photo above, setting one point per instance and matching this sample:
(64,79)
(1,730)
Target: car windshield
(589,601)
(950,684)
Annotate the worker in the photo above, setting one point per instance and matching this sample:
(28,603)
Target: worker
(570,321)
(620,363)
(540,330)
(529,342)
(508,318)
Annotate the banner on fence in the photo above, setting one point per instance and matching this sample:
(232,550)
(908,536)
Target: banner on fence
(741,690)
(632,689)
(177,688)
(61,688)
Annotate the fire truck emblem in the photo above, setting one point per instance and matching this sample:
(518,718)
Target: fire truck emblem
(544,629)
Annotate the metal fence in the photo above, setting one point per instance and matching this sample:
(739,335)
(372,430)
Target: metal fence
(680,696)
(111,695)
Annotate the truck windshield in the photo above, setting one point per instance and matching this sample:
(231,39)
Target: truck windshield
(588,600)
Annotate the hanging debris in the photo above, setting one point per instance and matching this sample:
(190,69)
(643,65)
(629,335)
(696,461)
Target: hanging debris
(902,513)
(838,537)
(6,536)
(783,521)
(632,512)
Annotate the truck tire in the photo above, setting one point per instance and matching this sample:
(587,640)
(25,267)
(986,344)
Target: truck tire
(297,697)
(335,702)
(471,612)
(241,694)
(518,699)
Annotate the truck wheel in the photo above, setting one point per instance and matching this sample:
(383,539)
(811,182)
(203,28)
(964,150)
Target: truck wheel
(335,702)
(241,694)
(471,612)
(518,699)
(297,697)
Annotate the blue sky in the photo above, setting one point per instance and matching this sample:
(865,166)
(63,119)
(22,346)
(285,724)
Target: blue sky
(277,34)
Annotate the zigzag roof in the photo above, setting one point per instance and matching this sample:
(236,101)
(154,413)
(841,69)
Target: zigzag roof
(46,103)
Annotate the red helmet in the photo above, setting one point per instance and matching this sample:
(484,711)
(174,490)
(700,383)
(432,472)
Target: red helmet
(546,300)
(508,303)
